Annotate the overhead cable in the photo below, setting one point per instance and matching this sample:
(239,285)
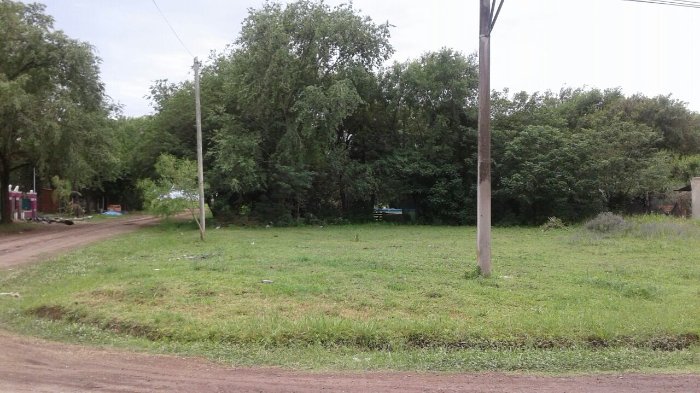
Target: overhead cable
(171,28)
(675,3)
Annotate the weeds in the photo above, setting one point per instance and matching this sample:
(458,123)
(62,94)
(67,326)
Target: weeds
(553,223)
(655,230)
(647,227)
(607,223)
(399,290)
(627,289)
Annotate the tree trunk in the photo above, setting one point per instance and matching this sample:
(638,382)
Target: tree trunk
(5,196)
(343,197)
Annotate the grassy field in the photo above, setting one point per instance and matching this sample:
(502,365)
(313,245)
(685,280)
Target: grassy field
(379,297)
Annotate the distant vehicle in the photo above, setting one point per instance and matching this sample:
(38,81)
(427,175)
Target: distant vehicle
(179,194)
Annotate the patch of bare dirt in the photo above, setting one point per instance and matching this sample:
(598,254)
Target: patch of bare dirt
(33,365)
(47,240)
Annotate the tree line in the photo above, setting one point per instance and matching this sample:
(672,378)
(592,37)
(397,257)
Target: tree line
(303,120)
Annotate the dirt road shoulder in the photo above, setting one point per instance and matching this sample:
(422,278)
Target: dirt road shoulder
(52,239)
(33,365)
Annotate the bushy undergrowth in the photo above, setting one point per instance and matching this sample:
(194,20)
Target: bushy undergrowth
(607,223)
(659,226)
(651,226)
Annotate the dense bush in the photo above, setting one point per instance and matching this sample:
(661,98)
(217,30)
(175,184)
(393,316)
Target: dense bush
(607,223)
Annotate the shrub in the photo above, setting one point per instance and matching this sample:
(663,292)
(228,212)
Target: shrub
(553,223)
(607,223)
(652,230)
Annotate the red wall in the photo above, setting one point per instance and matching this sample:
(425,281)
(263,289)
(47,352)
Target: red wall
(46,204)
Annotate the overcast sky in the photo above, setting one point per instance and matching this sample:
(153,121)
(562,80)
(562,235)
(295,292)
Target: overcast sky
(536,44)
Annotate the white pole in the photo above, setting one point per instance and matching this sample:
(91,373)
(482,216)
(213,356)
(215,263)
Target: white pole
(695,196)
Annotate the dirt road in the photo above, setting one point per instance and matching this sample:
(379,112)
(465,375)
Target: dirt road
(50,239)
(33,365)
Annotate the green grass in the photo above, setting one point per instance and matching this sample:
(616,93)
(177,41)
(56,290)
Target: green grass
(16,228)
(379,297)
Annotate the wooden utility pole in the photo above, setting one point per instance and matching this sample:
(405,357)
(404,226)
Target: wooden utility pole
(483,194)
(200,160)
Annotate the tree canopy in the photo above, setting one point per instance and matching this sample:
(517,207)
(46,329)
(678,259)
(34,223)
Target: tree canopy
(53,113)
(278,109)
(304,121)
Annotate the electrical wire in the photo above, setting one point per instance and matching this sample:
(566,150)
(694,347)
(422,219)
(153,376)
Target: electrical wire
(494,18)
(171,28)
(675,3)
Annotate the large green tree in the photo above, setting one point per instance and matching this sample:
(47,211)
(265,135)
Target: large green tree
(575,154)
(679,127)
(282,103)
(539,175)
(53,113)
(431,165)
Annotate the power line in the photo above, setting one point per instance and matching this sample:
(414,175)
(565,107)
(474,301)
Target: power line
(171,27)
(495,17)
(678,3)
(675,3)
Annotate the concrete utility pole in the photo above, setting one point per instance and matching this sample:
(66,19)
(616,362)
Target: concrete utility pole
(695,197)
(200,160)
(483,194)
